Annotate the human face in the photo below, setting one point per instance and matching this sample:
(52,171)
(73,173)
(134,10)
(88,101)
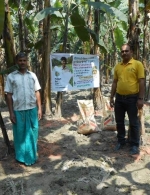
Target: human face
(22,62)
(126,53)
(63,63)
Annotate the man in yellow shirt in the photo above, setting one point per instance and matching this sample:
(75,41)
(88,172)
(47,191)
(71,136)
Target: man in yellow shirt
(128,88)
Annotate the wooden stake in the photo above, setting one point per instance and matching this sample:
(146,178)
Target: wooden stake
(4,132)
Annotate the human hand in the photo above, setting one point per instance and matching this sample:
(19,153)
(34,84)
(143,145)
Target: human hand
(39,114)
(12,118)
(140,104)
(111,102)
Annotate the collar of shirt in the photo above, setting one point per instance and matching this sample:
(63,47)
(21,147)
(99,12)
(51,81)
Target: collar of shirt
(17,71)
(130,62)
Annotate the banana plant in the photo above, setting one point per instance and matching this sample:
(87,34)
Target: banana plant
(114,14)
(78,21)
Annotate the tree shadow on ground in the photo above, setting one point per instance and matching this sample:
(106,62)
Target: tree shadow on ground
(73,164)
(70,163)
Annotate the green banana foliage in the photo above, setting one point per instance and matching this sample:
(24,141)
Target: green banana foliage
(9,70)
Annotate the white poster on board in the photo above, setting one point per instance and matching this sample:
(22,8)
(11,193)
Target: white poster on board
(74,71)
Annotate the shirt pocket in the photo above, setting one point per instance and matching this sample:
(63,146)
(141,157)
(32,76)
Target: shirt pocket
(31,83)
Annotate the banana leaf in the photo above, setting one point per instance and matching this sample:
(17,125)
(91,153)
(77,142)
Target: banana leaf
(9,70)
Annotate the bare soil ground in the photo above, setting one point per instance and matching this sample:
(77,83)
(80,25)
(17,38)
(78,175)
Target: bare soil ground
(74,164)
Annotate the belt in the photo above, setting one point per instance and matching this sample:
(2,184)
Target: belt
(126,96)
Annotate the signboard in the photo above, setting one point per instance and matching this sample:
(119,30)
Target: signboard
(74,71)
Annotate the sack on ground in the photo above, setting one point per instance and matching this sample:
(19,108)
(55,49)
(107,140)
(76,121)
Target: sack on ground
(87,123)
(108,122)
(106,108)
(108,119)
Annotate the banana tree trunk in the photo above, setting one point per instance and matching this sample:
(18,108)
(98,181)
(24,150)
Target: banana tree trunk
(133,37)
(9,49)
(97,96)
(114,54)
(146,48)
(2,15)
(58,108)
(46,65)
(40,51)
(21,31)
(8,39)
(134,29)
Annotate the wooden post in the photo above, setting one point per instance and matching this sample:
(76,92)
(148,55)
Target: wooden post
(4,132)
(58,111)
(142,127)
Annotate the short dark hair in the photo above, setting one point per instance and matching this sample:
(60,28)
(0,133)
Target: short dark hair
(21,55)
(64,58)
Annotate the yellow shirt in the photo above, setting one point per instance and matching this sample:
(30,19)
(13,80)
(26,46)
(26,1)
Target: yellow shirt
(127,76)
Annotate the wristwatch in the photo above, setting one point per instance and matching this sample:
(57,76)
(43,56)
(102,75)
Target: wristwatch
(141,98)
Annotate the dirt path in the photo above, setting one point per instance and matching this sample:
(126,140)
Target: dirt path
(73,164)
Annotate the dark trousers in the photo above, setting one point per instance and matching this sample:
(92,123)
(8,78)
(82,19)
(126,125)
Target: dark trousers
(127,104)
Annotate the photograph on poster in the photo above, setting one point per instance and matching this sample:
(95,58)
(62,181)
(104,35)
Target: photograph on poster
(61,72)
